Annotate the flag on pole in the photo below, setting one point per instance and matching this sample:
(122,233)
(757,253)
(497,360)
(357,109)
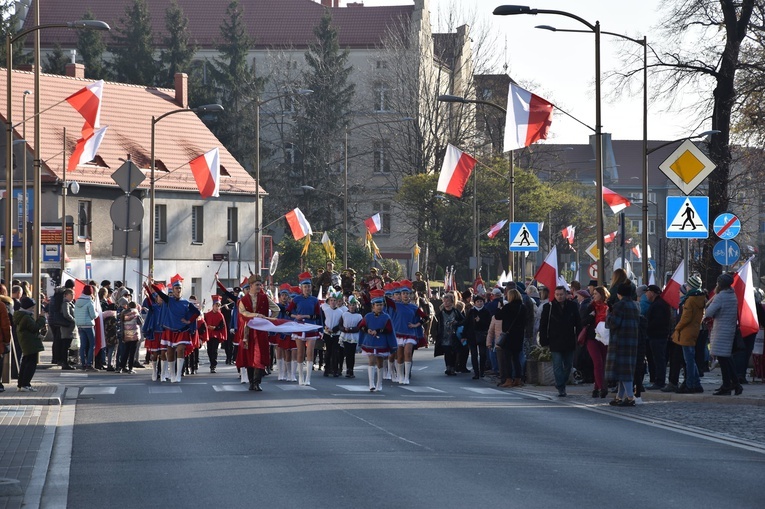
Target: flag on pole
(671,292)
(747,308)
(636,251)
(415,259)
(298,224)
(79,286)
(455,171)
(206,171)
(100,330)
(328,247)
(648,251)
(374,223)
(86,149)
(568,233)
(547,274)
(614,200)
(494,230)
(87,102)
(528,118)
(610,237)
(562,282)
(306,245)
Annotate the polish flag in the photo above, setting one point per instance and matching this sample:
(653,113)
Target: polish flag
(298,224)
(616,201)
(78,285)
(494,230)
(671,292)
(747,308)
(528,118)
(548,271)
(100,330)
(636,251)
(86,149)
(374,223)
(206,170)
(87,102)
(610,237)
(455,171)
(568,233)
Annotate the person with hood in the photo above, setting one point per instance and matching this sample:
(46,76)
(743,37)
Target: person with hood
(687,331)
(85,319)
(623,323)
(723,309)
(29,332)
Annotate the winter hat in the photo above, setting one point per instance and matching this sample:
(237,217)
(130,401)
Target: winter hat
(625,289)
(532,292)
(122,302)
(653,288)
(27,303)
(584,293)
(88,290)
(694,282)
(725,280)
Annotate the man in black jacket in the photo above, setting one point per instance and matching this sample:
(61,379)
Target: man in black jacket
(659,327)
(558,328)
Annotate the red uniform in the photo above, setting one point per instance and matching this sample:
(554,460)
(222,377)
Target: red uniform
(216,326)
(256,354)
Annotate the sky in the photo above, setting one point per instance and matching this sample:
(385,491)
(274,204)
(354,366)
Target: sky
(560,66)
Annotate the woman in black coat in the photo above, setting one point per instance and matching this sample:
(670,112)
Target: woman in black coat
(512,315)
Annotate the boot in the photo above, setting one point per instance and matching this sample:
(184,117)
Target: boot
(400,372)
(178,370)
(507,383)
(154,373)
(259,374)
(280,369)
(243,376)
(165,373)
(371,371)
(300,366)
(170,370)
(517,382)
(308,370)
(378,387)
(390,374)
(293,371)
(407,372)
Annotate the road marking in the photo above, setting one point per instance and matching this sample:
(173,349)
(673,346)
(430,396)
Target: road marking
(93,391)
(355,388)
(296,387)
(495,392)
(417,388)
(167,389)
(230,388)
(73,375)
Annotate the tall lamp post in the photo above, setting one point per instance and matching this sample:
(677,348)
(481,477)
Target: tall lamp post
(207,108)
(258,104)
(511,192)
(345,184)
(9,40)
(509,10)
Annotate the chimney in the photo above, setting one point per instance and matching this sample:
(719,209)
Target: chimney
(182,89)
(75,70)
(26,67)
(326,3)
(337,3)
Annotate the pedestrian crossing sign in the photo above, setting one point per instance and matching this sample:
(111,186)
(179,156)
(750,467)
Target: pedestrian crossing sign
(687,217)
(524,236)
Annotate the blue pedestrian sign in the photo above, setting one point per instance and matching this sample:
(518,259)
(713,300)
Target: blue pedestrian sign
(727,226)
(687,217)
(726,252)
(524,237)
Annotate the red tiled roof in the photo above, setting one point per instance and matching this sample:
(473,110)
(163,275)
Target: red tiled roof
(127,110)
(272,23)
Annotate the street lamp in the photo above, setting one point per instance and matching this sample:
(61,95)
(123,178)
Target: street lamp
(258,104)
(509,10)
(24,209)
(345,184)
(207,108)
(86,24)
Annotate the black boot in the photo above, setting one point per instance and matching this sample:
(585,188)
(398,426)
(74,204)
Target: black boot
(723,390)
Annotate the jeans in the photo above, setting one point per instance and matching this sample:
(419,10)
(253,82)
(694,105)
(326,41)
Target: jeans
(129,348)
(562,363)
(87,345)
(659,353)
(691,370)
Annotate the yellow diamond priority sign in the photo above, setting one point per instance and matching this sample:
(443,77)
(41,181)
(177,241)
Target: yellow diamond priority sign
(592,251)
(687,167)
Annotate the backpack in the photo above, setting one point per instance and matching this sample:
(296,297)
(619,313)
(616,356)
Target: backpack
(55,317)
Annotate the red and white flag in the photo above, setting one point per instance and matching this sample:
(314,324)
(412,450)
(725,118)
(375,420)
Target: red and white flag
(455,171)
(528,118)
(100,330)
(374,223)
(87,102)
(79,286)
(747,308)
(614,200)
(610,237)
(298,224)
(86,149)
(547,274)
(206,170)
(636,251)
(671,292)
(494,230)
(568,233)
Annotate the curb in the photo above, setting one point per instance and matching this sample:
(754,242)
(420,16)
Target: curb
(52,394)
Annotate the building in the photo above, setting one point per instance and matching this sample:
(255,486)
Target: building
(190,231)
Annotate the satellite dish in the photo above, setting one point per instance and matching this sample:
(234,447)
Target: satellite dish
(274,263)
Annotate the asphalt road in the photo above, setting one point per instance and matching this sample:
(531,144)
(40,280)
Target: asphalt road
(440,442)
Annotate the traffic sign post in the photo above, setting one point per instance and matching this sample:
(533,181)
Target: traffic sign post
(726,252)
(687,217)
(524,237)
(592,270)
(592,251)
(727,226)
(687,167)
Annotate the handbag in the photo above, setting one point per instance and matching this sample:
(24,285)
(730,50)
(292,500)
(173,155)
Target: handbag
(738,341)
(503,338)
(581,339)
(602,334)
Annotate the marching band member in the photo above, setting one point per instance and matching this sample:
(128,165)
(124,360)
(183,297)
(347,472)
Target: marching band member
(304,308)
(178,317)
(254,350)
(377,340)
(332,313)
(349,334)
(283,347)
(216,331)
(407,319)
(152,331)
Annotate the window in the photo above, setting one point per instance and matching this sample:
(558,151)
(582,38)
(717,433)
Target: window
(637,225)
(652,226)
(652,197)
(197,224)
(233,225)
(160,223)
(83,220)
(196,288)
(381,164)
(381,97)
(384,209)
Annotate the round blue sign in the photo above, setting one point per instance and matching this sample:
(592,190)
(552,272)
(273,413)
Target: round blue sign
(727,226)
(726,252)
